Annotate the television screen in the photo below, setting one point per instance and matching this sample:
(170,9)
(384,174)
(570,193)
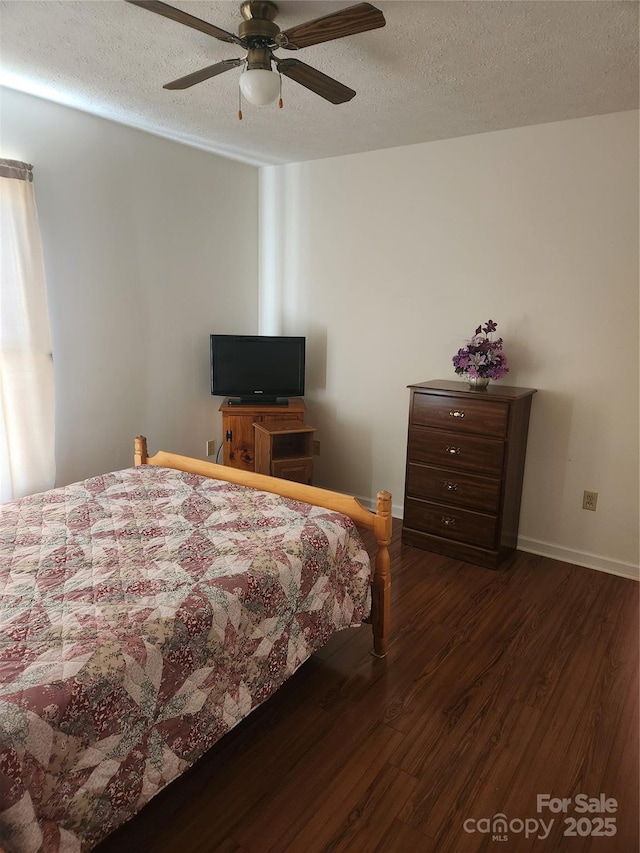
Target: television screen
(257,368)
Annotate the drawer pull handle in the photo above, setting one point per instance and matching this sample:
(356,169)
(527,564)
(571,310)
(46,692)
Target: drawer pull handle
(456,413)
(453,450)
(451,487)
(450,522)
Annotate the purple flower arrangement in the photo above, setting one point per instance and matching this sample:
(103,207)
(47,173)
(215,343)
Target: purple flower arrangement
(482,358)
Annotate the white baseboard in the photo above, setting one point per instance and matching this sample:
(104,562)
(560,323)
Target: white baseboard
(556,552)
(579,558)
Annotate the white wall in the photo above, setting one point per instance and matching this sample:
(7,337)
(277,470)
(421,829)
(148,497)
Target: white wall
(149,247)
(388,260)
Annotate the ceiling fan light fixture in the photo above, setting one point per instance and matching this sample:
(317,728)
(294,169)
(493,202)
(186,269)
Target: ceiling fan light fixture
(260,86)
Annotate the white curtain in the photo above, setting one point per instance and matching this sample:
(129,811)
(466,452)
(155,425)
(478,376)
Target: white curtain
(27,462)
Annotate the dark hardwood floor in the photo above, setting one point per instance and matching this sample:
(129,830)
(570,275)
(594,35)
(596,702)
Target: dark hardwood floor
(499,687)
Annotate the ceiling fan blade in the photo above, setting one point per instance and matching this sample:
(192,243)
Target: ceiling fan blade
(315,80)
(337,25)
(203,74)
(184,18)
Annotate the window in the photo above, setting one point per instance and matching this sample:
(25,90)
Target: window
(27,461)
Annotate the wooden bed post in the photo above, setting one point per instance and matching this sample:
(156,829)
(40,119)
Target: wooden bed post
(140,451)
(381,584)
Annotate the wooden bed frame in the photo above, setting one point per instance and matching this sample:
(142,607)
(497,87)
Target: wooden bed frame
(379,522)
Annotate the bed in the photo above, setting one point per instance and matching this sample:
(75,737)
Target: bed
(144,613)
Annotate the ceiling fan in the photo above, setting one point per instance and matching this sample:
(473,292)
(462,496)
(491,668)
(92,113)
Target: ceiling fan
(259,35)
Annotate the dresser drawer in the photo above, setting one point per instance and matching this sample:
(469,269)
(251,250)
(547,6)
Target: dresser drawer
(453,487)
(460,524)
(452,450)
(483,417)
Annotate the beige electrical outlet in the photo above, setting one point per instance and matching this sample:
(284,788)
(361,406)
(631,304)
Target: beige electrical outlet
(590,501)
(211,448)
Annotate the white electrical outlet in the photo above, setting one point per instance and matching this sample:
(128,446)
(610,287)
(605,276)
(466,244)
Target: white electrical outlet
(211,448)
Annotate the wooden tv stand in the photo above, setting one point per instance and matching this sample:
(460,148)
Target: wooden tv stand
(238,438)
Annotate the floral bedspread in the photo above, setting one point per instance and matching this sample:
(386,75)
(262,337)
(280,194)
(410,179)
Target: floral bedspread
(142,615)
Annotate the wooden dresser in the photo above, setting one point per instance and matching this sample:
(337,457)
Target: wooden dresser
(465,463)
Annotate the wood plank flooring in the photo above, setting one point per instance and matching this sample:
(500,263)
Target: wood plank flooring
(499,686)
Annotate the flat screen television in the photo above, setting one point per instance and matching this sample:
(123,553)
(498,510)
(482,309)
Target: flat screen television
(252,369)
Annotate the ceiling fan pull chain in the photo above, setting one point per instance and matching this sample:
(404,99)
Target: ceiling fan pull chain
(239,103)
(280,99)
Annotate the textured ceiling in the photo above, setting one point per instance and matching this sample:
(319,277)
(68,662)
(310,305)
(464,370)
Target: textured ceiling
(437,70)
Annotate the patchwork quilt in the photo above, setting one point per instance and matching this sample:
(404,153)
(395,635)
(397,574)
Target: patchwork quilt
(143,614)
